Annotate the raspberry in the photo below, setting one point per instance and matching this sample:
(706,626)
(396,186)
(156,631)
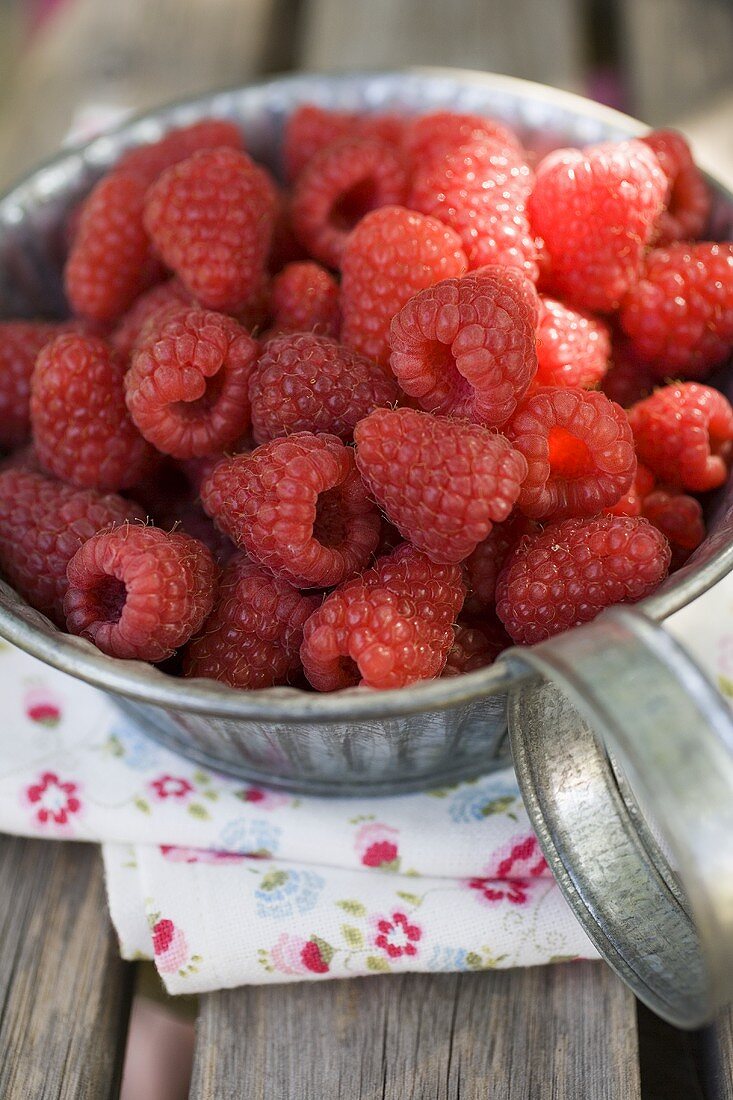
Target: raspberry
(676,515)
(631,503)
(211,219)
(387,628)
(474,648)
(42,525)
(308,130)
(252,637)
(571,571)
(150,161)
(187,386)
(391,255)
(338,187)
(108,265)
(149,306)
(435,136)
(305,298)
(482,567)
(442,483)
(466,347)
(297,506)
(20,343)
(310,383)
(285,247)
(628,379)
(480,190)
(595,210)
(573,348)
(82,430)
(687,204)
(139,592)
(579,449)
(683,433)
(679,316)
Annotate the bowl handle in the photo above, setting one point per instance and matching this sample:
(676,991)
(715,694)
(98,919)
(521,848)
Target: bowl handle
(624,753)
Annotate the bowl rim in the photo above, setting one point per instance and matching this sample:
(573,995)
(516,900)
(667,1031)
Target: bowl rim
(146,683)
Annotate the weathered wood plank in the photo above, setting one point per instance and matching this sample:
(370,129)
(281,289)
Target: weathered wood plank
(552,1032)
(64,992)
(522,37)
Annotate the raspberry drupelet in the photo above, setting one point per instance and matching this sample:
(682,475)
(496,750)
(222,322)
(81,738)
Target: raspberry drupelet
(391,255)
(308,130)
(687,202)
(187,388)
(579,449)
(434,136)
(482,567)
(138,592)
(42,524)
(475,647)
(441,482)
(211,219)
(573,347)
(466,347)
(679,517)
(149,161)
(684,434)
(310,383)
(389,627)
(297,506)
(82,431)
(595,209)
(338,187)
(679,315)
(252,637)
(20,343)
(305,298)
(572,570)
(148,308)
(631,502)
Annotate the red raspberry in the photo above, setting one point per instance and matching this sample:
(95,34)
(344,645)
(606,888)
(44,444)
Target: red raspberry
(466,347)
(252,637)
(149,306)
(482,567)
(595,210)
(679,316)
(391,255)
(441,482)
(687,204)
(579,449)
(308,130)
(678,516)
(150,161)
(338,187)
(82,430)
(631,503)
(573,348)
(297,506)
(474,648)
(628,379)
(683,433)
(42,525)
(305,298)
(572,570)
(187,386)
(20,343)
(211,219)
(108,265)
(435,136)
(139,592)
(480,191)
(387,628)
(308,383)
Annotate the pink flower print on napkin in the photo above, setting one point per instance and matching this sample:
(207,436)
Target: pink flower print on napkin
(512,871)
(296,955)
(396,936)
(169,946)
(171,786)
(42,707)
(263,798)
(376,845)
(54,801)
(198,855)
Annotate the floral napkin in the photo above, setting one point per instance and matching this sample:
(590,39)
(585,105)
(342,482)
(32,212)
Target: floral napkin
(226,884)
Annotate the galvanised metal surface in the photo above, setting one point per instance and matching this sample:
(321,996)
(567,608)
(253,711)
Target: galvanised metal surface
(353,741)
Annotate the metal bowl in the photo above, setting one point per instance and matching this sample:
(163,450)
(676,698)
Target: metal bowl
(354,741)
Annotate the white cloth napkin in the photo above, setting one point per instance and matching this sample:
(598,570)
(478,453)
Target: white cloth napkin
(225,884)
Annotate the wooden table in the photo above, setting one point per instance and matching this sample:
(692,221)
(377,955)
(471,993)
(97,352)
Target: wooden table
(564,1032)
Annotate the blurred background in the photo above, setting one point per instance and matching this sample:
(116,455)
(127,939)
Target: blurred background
(82,62)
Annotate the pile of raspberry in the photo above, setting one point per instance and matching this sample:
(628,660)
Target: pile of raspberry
(427,397)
